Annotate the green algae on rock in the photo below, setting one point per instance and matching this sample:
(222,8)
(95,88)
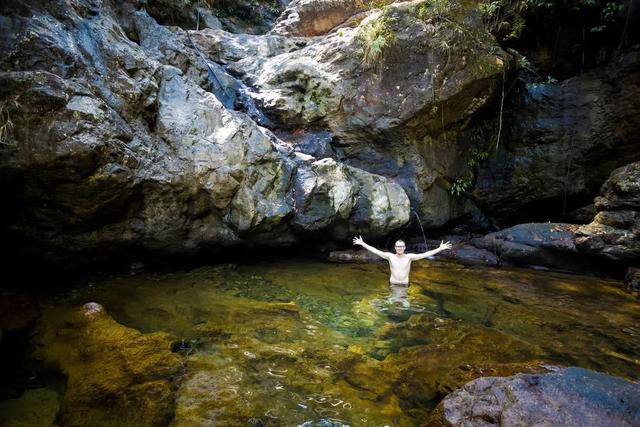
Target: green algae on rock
(116,375)
(35,408)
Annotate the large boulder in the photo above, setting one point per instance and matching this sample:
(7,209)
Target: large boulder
(389,89)
(535,244)
(614,233)
(560,142)
(571,396)
(407,67)
(115,144)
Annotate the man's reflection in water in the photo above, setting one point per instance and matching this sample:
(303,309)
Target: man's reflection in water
(398,302)
(399,295)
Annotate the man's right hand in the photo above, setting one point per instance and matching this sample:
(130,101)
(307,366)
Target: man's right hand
(358,241)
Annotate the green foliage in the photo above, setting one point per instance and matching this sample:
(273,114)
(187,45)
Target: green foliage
(373,4)
(477,156)
(450,34)
(375,37)
(459,186)
(506,17)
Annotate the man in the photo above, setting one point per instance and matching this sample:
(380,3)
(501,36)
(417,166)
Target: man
(400,263)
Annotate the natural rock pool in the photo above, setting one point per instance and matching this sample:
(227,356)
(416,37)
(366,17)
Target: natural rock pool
(308,343)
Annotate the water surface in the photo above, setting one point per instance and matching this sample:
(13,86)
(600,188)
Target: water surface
(311,343)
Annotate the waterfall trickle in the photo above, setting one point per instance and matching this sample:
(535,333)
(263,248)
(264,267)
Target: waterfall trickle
(424,237)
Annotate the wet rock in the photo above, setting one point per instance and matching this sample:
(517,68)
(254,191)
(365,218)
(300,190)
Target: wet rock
(315,144)
(134,146)
(116,375)
(241,16)
(632,279)
(470,255)
(578,397)
(17,311)
(387,115)
(536,244)
(615,230)
(560,143)
(328,193)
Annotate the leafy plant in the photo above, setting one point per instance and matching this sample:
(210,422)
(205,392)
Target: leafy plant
(477,156)
(375,37)
(459,186)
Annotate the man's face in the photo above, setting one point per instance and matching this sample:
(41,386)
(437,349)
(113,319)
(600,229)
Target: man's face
(400,247)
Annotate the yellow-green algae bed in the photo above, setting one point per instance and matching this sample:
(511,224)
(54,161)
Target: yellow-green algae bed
(316,344)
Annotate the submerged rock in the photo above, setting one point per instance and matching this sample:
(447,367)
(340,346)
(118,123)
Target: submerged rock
(355,256)
(435,356)
(115,375)
(35,408)
(571,396)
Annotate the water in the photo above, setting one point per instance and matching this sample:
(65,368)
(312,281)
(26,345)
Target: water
(310,343)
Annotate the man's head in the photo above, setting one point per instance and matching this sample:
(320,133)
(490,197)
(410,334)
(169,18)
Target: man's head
(400,247)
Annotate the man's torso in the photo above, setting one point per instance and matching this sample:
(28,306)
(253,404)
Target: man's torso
(400,266)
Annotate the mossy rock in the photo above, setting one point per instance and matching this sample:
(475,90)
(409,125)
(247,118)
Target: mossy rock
(116,375)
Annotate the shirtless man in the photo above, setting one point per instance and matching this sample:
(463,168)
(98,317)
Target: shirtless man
(400,263)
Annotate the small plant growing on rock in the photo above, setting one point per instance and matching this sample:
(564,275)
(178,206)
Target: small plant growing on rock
(373,4)
(375,36)
(459,186)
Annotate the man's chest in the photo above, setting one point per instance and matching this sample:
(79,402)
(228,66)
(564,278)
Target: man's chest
(401,263)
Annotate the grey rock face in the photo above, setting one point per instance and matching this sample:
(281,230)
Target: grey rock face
(560,143)
(124,135)
(387,115)
(569,397)
(118,144)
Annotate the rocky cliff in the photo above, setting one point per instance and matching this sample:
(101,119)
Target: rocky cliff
(166,127)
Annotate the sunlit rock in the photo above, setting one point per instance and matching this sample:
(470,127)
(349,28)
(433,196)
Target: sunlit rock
(571,396)
(316,17)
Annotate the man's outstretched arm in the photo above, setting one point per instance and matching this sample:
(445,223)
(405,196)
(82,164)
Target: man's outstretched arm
(358,241)
(443,247)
